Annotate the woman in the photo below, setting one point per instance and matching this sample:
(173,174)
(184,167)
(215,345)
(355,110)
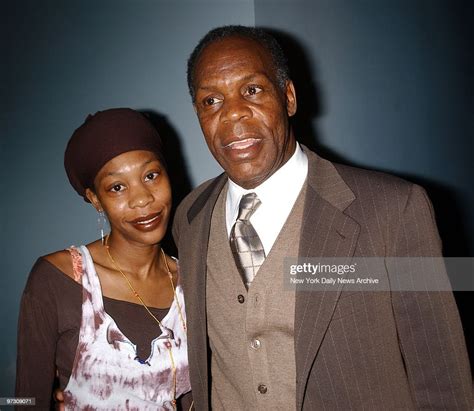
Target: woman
(108,318)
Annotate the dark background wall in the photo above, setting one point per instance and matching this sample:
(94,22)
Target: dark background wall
(385,85)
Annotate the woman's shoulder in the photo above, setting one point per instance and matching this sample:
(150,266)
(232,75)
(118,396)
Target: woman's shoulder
(50,274)
(69,261)
(62,260)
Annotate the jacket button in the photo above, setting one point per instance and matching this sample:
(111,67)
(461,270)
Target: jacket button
(262,389)
(255,344)
(240,298)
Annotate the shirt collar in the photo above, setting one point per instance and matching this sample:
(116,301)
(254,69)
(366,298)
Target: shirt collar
(271,188)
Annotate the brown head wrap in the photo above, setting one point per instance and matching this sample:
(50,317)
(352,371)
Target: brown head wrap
(103,136)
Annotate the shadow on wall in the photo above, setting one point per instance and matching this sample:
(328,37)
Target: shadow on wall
(446,201)
(309,94)
(176,167)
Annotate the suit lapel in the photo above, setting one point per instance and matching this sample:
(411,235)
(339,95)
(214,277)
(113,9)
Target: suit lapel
(326,232)
(193,267)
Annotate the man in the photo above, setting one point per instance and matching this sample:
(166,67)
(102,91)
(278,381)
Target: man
(255,344)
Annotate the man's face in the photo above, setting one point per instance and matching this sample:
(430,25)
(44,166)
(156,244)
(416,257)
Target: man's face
(242,111)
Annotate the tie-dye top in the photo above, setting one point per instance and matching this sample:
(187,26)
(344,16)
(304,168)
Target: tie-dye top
(107,373)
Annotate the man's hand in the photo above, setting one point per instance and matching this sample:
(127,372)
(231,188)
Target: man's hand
(58,400)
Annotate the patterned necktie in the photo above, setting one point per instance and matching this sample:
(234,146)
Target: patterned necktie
(244,241)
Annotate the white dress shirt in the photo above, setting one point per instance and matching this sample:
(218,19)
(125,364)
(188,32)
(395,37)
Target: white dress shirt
(277,194)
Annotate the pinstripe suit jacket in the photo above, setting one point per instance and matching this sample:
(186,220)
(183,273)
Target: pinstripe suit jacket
(353,350)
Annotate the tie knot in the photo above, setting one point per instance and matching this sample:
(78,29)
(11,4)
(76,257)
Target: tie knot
(248,204)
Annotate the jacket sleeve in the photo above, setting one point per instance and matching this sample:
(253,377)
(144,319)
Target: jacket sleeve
(430,333)
(176,222)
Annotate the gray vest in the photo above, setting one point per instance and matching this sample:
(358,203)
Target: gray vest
(251,334)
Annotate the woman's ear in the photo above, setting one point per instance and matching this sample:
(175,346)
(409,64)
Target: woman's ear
(92,197)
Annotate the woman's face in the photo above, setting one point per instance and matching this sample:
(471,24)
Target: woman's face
(134,191)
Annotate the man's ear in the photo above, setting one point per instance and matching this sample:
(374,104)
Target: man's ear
(290,98)
(92,197)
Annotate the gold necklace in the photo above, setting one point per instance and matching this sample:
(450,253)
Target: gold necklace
(169,333)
